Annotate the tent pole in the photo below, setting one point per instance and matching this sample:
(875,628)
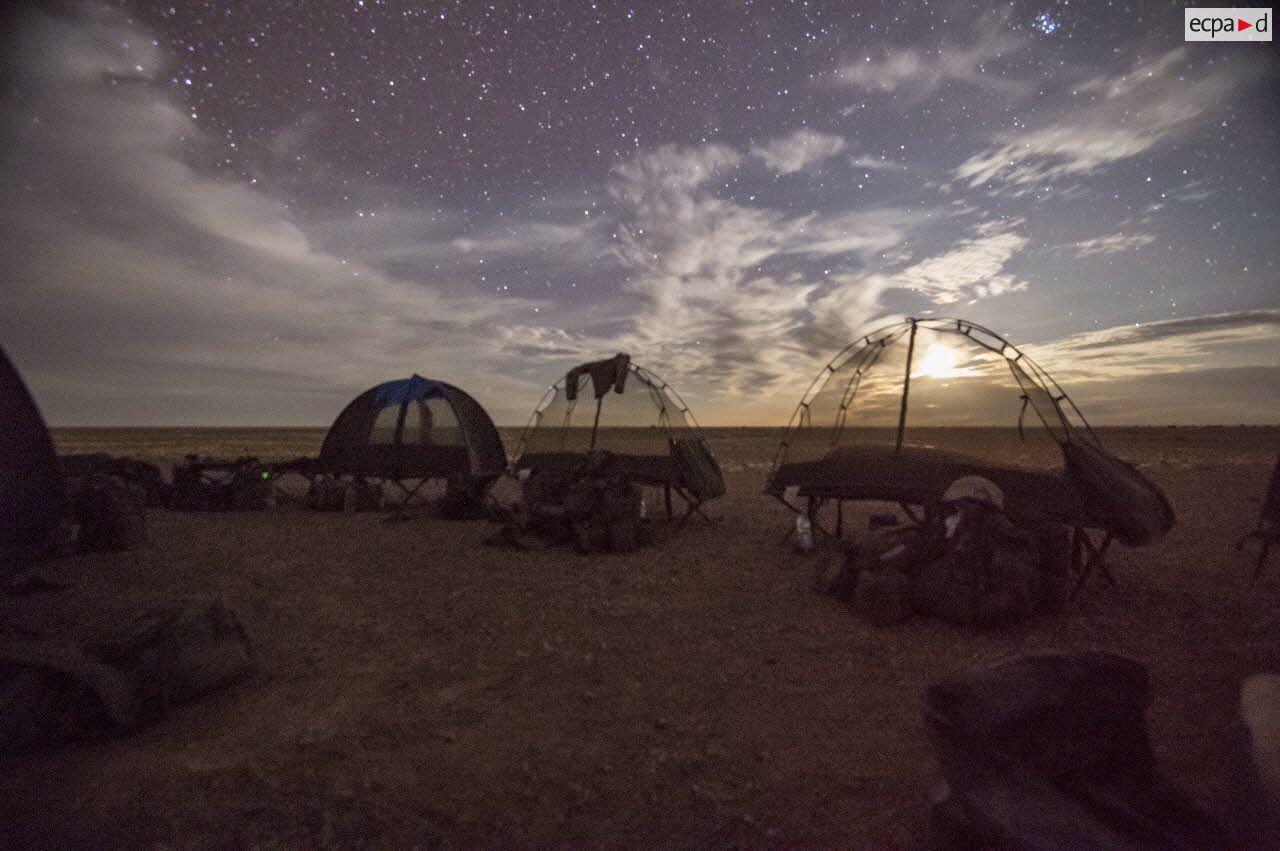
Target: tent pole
(906,389)
(596,424)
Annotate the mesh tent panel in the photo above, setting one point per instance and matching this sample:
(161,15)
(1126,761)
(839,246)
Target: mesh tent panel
(641,420)
(478,431)
(968,390)
(431,422)
(385,421)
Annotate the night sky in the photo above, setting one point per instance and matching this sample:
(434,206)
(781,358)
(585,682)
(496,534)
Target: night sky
(245,213)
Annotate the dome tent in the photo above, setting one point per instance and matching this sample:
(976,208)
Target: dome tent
(33,494)
(415,428)
(616,406)
(910,407)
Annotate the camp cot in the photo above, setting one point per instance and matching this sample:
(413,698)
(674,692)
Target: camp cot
(617,406)
(875,421)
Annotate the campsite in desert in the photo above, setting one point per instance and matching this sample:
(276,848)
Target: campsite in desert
(415,686)
(706,423)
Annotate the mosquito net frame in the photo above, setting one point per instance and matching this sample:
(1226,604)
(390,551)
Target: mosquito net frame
(1039,392)
(557,423)
(1091,489)
(616,406)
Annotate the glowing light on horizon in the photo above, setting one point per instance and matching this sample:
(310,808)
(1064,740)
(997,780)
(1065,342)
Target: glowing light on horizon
(940,362)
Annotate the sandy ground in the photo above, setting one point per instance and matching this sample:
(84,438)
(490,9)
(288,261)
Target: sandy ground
(417,687)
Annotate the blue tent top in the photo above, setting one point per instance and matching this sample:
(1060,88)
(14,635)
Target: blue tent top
(406,389)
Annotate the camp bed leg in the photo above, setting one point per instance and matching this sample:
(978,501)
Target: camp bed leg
(1087,557)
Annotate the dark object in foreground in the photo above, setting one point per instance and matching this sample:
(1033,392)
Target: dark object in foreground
(1268,529)
(603,507)
(48,505)
(1251,809)
(1051,751)
(53,693)
(33,494)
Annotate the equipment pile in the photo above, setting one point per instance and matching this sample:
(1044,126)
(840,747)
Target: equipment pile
(597,507)
(966,563)
(331,493)
(108,497)
(217,484)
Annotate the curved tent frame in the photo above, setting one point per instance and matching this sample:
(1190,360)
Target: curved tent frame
(1094,490)
(681,463)
(1040,392)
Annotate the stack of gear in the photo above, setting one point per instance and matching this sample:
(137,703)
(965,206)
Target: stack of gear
(596,506)
(108,512)
(335,494)
(604,507)
(1052,751)
(966,563)
(464,498)
(140,474)
(213,484)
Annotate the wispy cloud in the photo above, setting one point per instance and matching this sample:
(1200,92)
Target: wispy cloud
(1111,119)
(798,150)
(1175,344)
(1113,244)
(971,270)
(875,164)
(1217,368)
(916,73)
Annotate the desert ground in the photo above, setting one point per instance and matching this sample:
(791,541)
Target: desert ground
(416,687)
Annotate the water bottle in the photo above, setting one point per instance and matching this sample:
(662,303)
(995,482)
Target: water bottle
(804,533)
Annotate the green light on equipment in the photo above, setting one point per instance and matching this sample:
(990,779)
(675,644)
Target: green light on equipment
(265,474)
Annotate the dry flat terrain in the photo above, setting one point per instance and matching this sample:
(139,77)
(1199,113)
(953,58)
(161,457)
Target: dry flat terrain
(417,687)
